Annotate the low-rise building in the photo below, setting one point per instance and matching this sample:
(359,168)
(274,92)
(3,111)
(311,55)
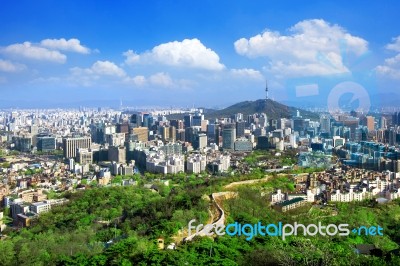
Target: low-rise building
(287,205)
(40,207)
(196,163)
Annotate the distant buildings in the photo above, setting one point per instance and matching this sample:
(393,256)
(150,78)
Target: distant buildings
(84,156)
(228,138)
(46,143)
(196,163)
(71,145)
(243,144)
(117,154)
(159,163)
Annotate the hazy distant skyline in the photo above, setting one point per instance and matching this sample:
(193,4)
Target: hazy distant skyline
(181,53)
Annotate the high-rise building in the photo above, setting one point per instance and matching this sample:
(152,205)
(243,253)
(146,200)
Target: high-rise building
(273,124)
(298,124)
(217,134)
(84,156)
(34,130)
(382,122)
(148,120)
(122,128)
(164,132)
(204,124)
(394,119)
(117,154)
(211,132)
(370,122)
(116,139)
(352,123)
(228,138)
(23,143)
(325,123)
(142,133)
(187,120)
(263,143)
(70,145)
(180,134)
(240,126)
(200,141)
(46,143)
(189,134)
(172,133)
(196,119)
(178,124)
(97,133)
(136,120)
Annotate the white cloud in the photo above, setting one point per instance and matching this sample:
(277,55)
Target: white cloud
(42,80)
(395,45)
(91,76)
(31,51)
(388,71)
(161,79)
(131,57)
(100,68)
(313,47)
(188,53)
(247,73)
(391,66)
(72,45)
(8,66)
(107,68)
(139,80)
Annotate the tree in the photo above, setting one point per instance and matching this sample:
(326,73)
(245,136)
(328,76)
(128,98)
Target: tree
(7,252)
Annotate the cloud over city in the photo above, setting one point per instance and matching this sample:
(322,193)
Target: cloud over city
(311,47)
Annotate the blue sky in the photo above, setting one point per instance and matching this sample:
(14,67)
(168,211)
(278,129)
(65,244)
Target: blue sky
(203,53)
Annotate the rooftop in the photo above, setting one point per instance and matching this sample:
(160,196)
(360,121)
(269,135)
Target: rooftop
(288,202)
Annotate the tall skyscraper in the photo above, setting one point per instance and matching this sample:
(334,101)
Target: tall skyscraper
(187,120)
(228,138)
(370,123)
(164,132)
(117,154)
(325,123)
(172,133)
(200,141)
(196,119)
(240,126)
(382,122)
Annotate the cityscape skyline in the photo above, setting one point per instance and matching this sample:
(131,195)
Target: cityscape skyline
(179,54)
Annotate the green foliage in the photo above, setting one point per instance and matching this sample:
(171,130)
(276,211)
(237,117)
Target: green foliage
(30,171)
(5,165)
(280,182)
(119,226)
(301,170)
(117,180)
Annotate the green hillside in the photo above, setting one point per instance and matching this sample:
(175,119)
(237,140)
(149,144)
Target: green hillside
(273,109)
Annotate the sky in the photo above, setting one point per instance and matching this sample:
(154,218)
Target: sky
(197,53)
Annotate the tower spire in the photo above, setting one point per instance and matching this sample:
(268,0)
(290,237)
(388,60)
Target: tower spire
(266,90)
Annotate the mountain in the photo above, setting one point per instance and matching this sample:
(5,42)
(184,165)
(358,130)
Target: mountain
(273,109)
